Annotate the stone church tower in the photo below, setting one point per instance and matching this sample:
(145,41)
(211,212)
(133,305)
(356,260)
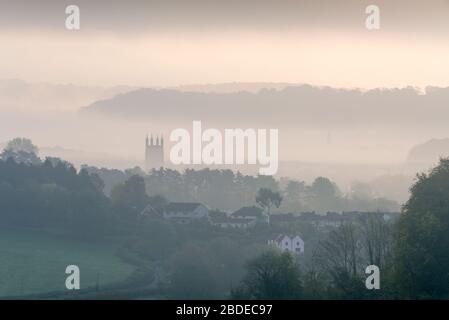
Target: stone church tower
(154,152)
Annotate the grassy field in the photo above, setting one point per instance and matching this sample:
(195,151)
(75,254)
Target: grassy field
(32,262)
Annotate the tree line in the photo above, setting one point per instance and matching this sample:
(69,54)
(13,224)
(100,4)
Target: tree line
(204,261)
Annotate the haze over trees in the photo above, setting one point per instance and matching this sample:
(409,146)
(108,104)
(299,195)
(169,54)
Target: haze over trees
(412,254)
(198,260)
(300,105)
(21,150)
(227,190)
(47,194)
(350,142)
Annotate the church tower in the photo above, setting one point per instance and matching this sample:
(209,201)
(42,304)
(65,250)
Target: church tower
(154,152)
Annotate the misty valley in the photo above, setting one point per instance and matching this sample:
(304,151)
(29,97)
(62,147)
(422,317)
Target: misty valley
(205,213)
(199,233)
(220,150)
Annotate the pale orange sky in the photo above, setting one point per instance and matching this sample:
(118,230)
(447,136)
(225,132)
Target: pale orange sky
(163,43)
(176,42)
(339,59)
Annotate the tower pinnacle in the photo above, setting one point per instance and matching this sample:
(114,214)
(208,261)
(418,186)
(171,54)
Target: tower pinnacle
(154,152)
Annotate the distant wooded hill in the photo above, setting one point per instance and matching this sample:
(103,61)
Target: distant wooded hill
(429,152)
(21,95)
(294,105)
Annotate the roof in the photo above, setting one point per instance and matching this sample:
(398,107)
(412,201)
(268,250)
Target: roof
(309,216)
(217,214)
(283,217)
(230,220)
(280,237)
(182,206)
(148,210)
(248,212)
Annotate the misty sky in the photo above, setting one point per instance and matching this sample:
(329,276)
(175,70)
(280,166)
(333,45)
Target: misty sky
(161,43)
(173,42)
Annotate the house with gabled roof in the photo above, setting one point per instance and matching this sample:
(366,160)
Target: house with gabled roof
(149,211)
(252,213)
(289,243)
(184,212)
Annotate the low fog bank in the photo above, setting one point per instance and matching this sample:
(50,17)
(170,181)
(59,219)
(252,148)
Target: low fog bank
(380,137)
(291,106)
(21,96)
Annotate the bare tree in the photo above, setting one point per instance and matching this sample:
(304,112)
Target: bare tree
(340,252)
(376,240)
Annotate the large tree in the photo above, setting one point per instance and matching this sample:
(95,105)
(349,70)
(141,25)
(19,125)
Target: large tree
(324,195)
(377,239)
(339,256)
(293,196)
(422,248)
(21,150)
(130,197)
(340,251)
(267,199)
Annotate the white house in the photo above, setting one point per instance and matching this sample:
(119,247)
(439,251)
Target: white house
(290,243)
(184,212)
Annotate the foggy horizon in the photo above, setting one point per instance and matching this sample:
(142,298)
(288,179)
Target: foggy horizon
(171,43)
(224,150)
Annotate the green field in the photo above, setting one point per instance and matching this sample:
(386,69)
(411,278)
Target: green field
(32,262)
